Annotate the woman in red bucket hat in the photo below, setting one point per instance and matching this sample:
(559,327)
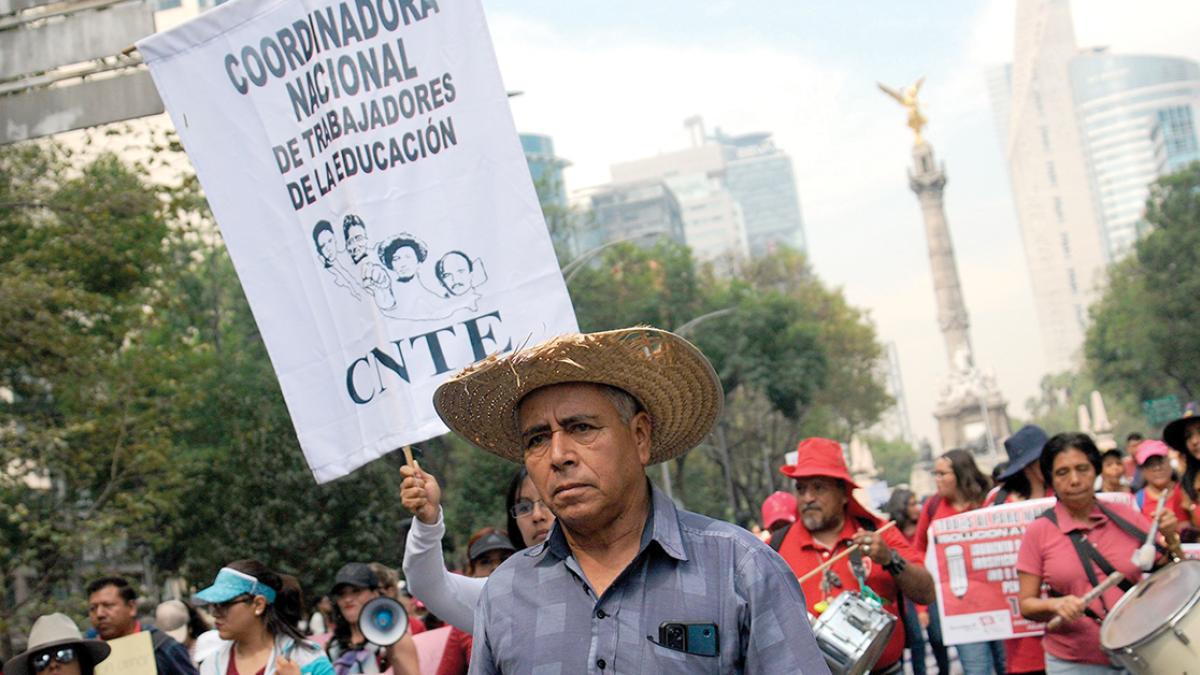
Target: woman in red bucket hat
(830,520)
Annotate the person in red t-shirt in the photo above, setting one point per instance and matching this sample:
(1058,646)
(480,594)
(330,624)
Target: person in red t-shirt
(830,521)
(1152,460)
(961,487)
(1022,480)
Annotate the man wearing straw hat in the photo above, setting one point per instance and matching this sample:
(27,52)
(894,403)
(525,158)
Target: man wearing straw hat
(626,582)
(830,521)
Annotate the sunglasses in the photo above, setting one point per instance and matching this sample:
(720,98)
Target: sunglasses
(222,608)
(62,655)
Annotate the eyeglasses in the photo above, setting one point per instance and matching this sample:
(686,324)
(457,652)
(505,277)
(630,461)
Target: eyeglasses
(63,655)
(524,508)
(222,608)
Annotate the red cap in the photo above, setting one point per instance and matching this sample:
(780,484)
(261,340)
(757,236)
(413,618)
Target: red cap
(1148,449)
(779,506)
(819,457)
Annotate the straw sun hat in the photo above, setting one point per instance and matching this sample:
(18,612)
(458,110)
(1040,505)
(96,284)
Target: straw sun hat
(672,380)
(48,632)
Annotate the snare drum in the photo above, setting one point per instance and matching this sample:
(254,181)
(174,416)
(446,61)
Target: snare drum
(852,633)
(1154,628)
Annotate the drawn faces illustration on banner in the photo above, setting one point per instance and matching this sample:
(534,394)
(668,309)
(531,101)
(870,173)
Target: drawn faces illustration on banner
(454,271)
(402,255)
(355,231)
(401,277)
(325,242)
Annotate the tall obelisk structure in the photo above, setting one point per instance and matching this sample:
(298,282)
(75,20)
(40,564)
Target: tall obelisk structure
(970,410)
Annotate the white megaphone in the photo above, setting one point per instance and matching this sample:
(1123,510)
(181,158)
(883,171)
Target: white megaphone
(383,621)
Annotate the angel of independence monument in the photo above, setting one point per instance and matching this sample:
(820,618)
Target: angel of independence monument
(971,412)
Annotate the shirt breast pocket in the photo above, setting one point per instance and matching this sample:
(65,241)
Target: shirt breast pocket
(666,661)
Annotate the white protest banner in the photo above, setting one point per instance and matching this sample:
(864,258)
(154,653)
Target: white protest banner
(361,161)
(131,655)
(973,560)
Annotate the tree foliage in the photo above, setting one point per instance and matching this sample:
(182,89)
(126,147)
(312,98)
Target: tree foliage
(142,426)
(86,409)
(794,358)
(1143,337)
(894,459)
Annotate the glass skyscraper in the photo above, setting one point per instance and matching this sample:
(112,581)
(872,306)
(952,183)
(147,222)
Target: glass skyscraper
(1137,118)
(1085,133)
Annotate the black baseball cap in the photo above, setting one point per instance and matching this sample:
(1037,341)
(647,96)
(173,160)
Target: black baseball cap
(355,574)
(492,541)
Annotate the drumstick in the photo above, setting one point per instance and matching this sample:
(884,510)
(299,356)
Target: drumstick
(1112,580)
(825,565)
(1143,558)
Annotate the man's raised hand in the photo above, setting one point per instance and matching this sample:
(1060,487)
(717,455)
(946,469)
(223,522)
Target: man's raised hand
(420,493)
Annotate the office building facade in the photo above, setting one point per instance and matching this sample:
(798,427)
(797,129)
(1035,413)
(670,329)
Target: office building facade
(1137,117)
(1084,134)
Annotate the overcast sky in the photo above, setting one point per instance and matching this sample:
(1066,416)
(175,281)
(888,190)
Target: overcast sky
(614,81)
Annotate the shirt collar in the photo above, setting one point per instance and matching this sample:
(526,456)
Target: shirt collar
(662,527)
(1068,524)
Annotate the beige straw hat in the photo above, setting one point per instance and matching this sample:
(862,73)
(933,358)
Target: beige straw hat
(672,380)
(48,632)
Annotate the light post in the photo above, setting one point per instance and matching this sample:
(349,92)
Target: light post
(666,471)
(981,396)
(572,268)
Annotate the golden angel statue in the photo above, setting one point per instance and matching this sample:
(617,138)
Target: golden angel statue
(907,97)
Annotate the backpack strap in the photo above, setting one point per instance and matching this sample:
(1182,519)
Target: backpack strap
(1140,498)
(778,535)
(931,506)
(1000,497)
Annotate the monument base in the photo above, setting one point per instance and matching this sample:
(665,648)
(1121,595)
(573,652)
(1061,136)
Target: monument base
(973,415)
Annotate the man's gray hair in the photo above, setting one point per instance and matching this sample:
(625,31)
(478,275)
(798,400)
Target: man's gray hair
(626,404)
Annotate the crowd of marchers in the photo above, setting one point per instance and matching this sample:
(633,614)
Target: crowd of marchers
(596,570)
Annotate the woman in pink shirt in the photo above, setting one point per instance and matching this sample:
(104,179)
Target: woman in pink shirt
(1070,463)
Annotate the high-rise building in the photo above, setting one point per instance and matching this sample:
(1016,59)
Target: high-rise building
(1127,105)
(1084,133)
(630,211)
(738,193)
(546,168)
(759,175)
(712,218)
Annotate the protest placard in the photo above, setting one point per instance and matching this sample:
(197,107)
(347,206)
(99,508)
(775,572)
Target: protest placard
(361,161)
(973,560)
(131,655)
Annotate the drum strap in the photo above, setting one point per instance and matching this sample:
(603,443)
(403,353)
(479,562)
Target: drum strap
(779,535)
(1089,555)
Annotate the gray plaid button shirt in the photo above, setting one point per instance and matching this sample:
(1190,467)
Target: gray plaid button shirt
(539,616)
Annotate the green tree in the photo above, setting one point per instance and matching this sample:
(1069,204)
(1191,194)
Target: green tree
(1143,336)
(793,357)
(85,410)
(894,458)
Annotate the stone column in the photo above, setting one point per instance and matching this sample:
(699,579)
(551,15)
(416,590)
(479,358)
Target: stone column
(928,180)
